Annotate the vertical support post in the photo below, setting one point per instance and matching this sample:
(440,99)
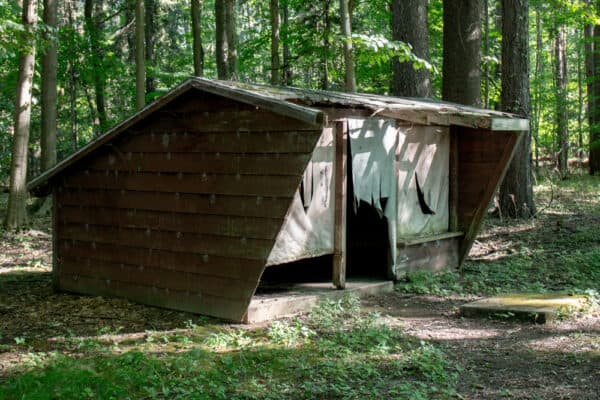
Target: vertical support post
(453,178)
(340,188)
(55,257)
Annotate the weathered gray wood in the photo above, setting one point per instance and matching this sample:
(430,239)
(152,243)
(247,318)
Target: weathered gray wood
(340,190)
(509,124)
(432,256)
(427,239)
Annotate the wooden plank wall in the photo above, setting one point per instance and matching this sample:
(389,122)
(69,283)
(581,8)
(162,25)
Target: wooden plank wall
(483,157)
(182,210)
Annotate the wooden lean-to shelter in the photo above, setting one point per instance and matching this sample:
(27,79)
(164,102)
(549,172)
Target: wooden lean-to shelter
(187,203)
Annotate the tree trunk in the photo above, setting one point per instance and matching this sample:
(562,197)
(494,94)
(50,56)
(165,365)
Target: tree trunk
(140,68)
(49,96)
(93,23)
(486,54)
(539,69)
(461,80)
(16,213)
(346,23)
(221,40)
(594,157)
(197,37)
(326,32)
(275,68)
(230,26)
(72,73)
(516,191)
(287,68)
(149,33)
(580,82)
(562,117)
(409,25)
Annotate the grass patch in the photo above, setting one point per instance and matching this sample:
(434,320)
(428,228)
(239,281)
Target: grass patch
(337,352)
(559,250)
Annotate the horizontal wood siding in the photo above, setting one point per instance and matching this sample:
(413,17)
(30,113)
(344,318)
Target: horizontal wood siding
(183,210)
(222,163)
(432,256)
(223,225)
(483,157)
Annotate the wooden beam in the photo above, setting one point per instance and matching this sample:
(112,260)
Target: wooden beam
(55,238)
(509,124)
(340,182)
(453,197)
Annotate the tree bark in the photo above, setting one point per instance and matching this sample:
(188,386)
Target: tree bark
(197,37)
(325,59)
(230,25)
(149,33)
(594,157)
(346,23)
(221,50)
(72,71)
(275,67)
(516,191)
(287,56)
(140,68)
(49,95)
(461,79)
(562,117)
(16,214)
(486,54)
(410,25)
(93,23)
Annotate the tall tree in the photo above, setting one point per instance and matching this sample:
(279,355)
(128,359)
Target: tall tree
(516,191)
(461,80)
(150,37)
(93,23)
(275,67)
(230,24)
(562,113)
(49,95)
(409,25)
(197,37)
(221,48)
(140,68)
(287,56)
(594,157)
(346,23)
(326,45)
(16,214)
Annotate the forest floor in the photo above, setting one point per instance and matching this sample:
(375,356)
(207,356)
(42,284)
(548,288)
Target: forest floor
(409,344)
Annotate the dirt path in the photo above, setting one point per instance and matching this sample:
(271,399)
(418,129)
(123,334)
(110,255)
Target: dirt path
(504,359)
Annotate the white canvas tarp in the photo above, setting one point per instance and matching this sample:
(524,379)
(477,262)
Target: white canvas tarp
(386,162)
(373,149)
(308,227)
(423,153)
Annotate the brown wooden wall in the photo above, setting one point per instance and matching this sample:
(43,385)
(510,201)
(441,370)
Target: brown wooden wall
(182,210)
(482,160)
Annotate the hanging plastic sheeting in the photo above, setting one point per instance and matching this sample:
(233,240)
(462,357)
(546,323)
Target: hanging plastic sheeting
(373,149)
(423,154)
(308,227)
